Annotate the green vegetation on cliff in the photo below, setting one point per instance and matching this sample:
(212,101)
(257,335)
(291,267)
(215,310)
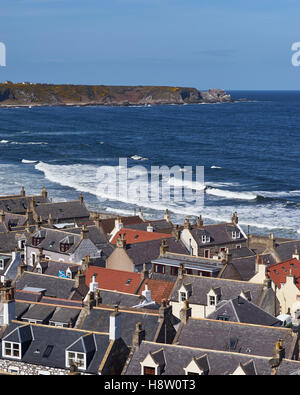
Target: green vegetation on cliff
(50,94)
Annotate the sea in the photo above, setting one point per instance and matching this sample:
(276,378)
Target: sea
(248,150)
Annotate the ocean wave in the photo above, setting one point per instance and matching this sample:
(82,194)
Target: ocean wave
(29,161)
(138,157)
(230,194)
(215,167)
(23,142)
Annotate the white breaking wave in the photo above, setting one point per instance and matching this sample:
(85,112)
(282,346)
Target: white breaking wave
(23,143)
(138,157)
(215,167)
(230,194)
(29,161)
(85,178)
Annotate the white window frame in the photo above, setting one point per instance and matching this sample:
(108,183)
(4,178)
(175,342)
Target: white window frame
(12,346)
(205,239)
(212,300)
(76,359)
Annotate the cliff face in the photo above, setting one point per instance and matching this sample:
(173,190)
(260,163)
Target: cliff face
(45,94)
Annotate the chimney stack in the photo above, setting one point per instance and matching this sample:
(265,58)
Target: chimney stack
(277,356)
(164,310)
(150,227)
(235,218)
(22,191)
(80,198)
(167,216)
(7,303)
(147,294)
(44,193)
(79,279)
(93,284)
(164,247)
(2,216)
(121,242)
(139,335)
(84,232)
(186,312)
(187,224)
(296,255)
(115,329)
(199,221)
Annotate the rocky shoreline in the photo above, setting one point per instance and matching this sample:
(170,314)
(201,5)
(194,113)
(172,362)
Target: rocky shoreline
(33,95)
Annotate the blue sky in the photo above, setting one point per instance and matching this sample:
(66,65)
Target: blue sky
(230,44)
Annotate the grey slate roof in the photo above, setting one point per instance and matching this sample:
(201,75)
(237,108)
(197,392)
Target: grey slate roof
(55,286)
(64,315)
(229,289)
(42,337)
(62,211)
(219,363)
(39,313)
(19,204)
(240,309)
(118,298)
(98,320)
(235,337)
(219,234)
(145,252)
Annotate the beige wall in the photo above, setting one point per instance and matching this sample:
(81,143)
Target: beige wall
(119,260)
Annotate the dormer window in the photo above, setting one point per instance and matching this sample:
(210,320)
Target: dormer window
(76,358)
(36,241)
(148,371)
(205,239)
(235,234)
(183,296)
(64,247)
(212,300)
(11,350)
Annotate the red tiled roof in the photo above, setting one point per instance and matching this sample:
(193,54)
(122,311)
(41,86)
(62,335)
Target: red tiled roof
(138,236)
(114,280)
(118,280)
(160,289)
(279,271)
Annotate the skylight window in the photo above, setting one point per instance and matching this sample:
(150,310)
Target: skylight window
(48,351)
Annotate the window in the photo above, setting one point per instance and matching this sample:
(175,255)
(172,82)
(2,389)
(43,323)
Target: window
(159,269)
(235,234)
(36,241)
(192,374)
(174,271)
(12,350)
(205,239)
(238,246)
(149,371)
(76,358)
(182,296)
(206,253)
(13,370)
(223,318)
(189,271)
(33,259)
(64,247)
(1,264)
(212,300)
